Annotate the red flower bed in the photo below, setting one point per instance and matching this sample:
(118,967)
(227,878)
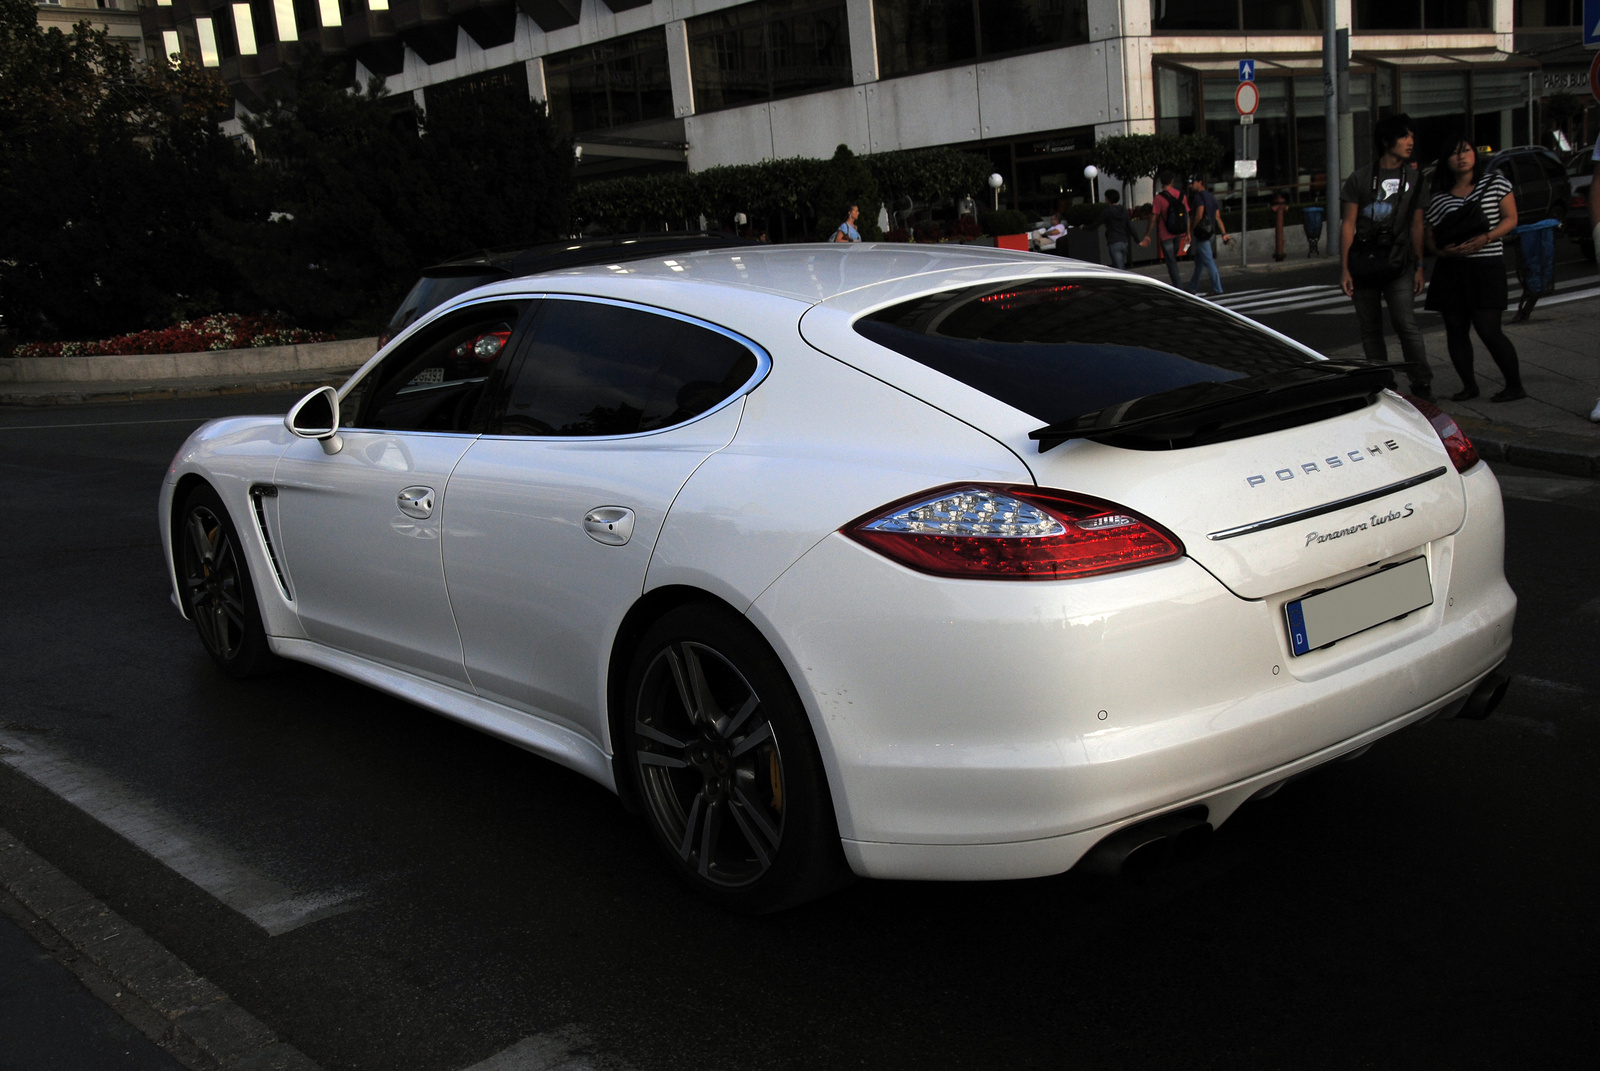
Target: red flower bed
(225,331)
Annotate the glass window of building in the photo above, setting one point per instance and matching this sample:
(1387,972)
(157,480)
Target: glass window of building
(1226,15)
(919,35)
(1536,13)
(1436,101)
(611,83)
(1422,14)
(1499,99)
(1175,105)
(766,50)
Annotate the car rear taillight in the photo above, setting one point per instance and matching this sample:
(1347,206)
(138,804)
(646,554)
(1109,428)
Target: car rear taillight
(486,347)
(1009,532)
(1463,455)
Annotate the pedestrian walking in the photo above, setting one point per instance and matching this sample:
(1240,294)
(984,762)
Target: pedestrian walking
(1469,214)
(1204,228)
(847,230)
(1380,243)
(1119,229)
(1171,211)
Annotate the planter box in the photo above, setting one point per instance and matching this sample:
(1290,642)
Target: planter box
(342,356)
(1012,241)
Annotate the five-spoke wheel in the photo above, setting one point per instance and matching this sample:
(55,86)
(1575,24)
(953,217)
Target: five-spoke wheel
(725,763)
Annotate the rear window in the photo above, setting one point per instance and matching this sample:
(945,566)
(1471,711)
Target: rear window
(430,292)
(1058,350)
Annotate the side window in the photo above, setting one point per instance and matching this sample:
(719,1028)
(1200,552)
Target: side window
(591,368)
(433,381)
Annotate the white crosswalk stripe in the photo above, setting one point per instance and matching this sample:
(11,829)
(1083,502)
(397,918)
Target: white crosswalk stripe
(1329,300)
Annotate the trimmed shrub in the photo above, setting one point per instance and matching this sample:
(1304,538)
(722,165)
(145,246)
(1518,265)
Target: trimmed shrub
(1005,221)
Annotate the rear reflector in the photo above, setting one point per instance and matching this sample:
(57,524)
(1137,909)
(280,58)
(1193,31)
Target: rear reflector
(1463,455)
(1013,532)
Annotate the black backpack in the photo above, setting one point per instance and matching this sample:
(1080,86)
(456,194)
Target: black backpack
(1176,217)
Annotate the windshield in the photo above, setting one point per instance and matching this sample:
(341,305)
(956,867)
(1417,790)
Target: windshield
(1058,350)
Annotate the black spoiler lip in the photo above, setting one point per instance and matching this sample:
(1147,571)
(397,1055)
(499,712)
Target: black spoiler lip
(1219,406)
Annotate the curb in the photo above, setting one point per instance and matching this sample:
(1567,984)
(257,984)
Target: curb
(189,1017)
(1550,451)
(92,394)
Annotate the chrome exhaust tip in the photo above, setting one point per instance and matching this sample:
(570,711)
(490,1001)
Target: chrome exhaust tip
(1149,845)
(1487,695)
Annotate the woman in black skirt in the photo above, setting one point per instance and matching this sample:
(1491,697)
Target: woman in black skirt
(1469,278)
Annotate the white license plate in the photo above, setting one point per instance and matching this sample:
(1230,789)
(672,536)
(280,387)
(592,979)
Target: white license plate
(1338,613)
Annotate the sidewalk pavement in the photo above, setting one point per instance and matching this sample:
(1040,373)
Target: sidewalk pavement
(1558,348)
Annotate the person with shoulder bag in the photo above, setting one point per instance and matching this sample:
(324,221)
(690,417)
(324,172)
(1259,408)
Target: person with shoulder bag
(1205,228)
(1380,243)
(1468,216)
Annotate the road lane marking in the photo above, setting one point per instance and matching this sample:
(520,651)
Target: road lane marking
(565,1049)
(188,851)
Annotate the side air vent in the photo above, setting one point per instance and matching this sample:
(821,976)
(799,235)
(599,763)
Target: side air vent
(257,493)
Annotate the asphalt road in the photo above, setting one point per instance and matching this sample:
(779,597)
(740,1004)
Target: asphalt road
(1429,905)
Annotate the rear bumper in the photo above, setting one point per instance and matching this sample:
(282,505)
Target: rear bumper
(1053,855)
(998,730)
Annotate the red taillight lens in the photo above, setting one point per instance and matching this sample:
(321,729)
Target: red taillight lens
(1463,455)
(485,347)
(1010,532)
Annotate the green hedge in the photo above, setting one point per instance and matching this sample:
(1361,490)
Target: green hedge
(794,199)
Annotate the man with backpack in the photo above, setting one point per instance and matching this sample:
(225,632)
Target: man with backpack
(1171,211)
(1380,242)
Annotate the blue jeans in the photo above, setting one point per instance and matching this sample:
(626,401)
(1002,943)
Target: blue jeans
(1205,260)
(1118,252)
(1169,246)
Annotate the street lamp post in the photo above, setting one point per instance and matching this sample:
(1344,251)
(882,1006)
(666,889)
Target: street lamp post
(1092,173)
(995,182)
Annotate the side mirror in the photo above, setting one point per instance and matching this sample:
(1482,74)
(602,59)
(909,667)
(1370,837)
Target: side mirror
(316,416)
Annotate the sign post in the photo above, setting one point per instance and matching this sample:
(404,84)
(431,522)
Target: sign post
(1246,139)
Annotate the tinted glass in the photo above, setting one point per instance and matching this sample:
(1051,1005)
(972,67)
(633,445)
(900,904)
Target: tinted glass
(1389,15)
(597,369)
(430,292)
(432,381)
(1281,15)
(768,49)
(1194,14)
(1057,350)
(914,35)
(612,83)
(1016,25)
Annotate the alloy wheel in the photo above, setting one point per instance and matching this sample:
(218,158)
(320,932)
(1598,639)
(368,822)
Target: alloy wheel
(709,764)
(213,583)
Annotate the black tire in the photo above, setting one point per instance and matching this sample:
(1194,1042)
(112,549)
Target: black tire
(215,580)
(726,767)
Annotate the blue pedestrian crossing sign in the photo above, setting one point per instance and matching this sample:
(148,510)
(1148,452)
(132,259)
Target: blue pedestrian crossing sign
(1591,24)
(1247,67)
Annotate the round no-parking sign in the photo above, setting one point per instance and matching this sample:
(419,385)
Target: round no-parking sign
(1594,76)
(1247,97)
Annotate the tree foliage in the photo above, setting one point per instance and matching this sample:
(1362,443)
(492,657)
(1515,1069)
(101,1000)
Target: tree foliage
(802,198)
(1136,156)
(103,162)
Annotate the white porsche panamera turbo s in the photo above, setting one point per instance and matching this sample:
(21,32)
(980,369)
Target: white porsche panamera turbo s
(942,563)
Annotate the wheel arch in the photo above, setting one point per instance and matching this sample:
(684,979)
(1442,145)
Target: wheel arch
(180,494)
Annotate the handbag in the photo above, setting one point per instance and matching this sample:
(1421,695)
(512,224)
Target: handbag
(1464,222)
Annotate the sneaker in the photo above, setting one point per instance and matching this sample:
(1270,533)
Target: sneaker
(1594,414)
(1464,395)
(1510,394)
(1422,391)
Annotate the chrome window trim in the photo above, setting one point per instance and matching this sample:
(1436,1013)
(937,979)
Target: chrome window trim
(1328,507)
(763,366)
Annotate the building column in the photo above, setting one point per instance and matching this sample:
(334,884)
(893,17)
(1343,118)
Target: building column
(678,67)
(863,41)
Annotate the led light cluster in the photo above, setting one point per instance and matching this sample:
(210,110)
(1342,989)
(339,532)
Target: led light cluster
(1008,532)
(1463,455)
(972,513)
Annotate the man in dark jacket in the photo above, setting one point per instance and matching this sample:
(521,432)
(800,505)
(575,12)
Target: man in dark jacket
(1380,244)
(1119,229)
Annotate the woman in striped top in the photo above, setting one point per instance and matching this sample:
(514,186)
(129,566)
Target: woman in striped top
(1469,279)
